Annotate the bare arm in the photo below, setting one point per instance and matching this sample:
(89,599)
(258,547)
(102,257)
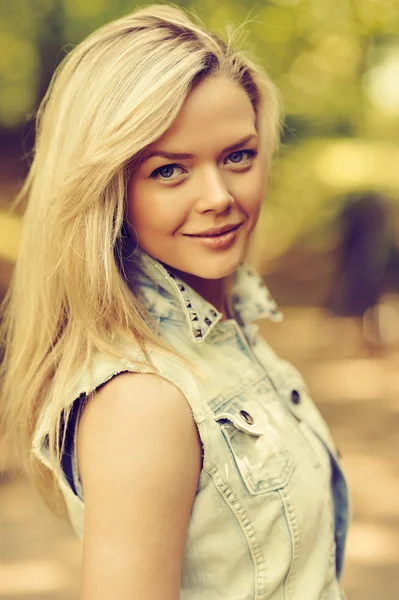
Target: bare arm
(140,459)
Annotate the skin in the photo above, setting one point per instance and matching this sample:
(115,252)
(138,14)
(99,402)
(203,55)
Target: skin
(137,512)
(140,460)
(221,183)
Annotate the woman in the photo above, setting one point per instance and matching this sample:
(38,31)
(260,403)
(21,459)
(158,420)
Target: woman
(190,458)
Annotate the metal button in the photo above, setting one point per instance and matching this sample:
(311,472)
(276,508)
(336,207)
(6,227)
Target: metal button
(247,417)
(295,397)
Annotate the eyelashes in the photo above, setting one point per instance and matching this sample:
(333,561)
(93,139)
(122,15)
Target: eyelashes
(165,169)
(166,172)
(239,153)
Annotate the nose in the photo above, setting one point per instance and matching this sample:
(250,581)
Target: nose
(214,194)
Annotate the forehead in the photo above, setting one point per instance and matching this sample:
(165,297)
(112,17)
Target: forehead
(217,112)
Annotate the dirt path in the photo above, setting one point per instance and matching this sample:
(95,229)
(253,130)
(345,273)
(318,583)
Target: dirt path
(358,395)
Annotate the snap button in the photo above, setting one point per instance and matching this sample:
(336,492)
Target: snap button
(247,417)
(295,397)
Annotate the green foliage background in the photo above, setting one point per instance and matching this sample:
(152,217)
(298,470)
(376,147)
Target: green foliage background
(336,63)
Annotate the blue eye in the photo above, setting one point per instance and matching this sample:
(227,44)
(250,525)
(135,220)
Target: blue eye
(165,172)
(241,156)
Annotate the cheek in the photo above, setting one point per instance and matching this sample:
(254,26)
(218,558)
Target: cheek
(150,210)
(251,193)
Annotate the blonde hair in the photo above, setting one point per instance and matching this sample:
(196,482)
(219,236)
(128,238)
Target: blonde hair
(114,94)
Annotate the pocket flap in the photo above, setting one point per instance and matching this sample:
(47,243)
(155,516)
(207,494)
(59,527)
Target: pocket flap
(245,420)
(257,448)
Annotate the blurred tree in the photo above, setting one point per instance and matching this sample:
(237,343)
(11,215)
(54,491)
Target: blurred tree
(365,251)
(336,63)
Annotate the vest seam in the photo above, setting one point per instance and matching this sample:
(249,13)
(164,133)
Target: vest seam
(247,528)
(295,540)
(228,396)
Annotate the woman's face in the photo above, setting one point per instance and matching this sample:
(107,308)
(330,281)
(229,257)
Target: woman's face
(203,173)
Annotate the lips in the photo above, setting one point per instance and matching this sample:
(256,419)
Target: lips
(215,232)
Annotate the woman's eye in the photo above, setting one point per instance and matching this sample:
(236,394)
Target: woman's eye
(165,172)
(241,156)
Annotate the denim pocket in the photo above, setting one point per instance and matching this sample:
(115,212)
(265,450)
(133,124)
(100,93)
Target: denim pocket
(263,461)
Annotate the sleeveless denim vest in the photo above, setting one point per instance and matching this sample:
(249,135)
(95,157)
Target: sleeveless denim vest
(270,515)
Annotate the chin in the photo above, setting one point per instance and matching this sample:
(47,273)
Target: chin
(214,269)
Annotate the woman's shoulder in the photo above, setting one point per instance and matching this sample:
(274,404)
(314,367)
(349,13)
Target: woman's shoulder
(135,415)
(128,364)
(120,401)
(140,462)
(134,411)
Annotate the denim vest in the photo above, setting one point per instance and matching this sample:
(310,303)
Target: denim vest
(270,514)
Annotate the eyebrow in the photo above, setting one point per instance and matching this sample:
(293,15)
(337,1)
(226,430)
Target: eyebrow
(186,155)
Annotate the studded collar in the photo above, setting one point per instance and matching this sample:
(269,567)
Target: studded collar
(251,299)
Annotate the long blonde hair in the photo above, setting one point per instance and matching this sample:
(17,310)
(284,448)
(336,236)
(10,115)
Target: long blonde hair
(114,94)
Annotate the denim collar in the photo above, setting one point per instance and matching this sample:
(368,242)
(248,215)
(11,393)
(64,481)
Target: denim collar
(251,299)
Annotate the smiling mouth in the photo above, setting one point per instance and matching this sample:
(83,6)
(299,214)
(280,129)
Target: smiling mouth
(213,235)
